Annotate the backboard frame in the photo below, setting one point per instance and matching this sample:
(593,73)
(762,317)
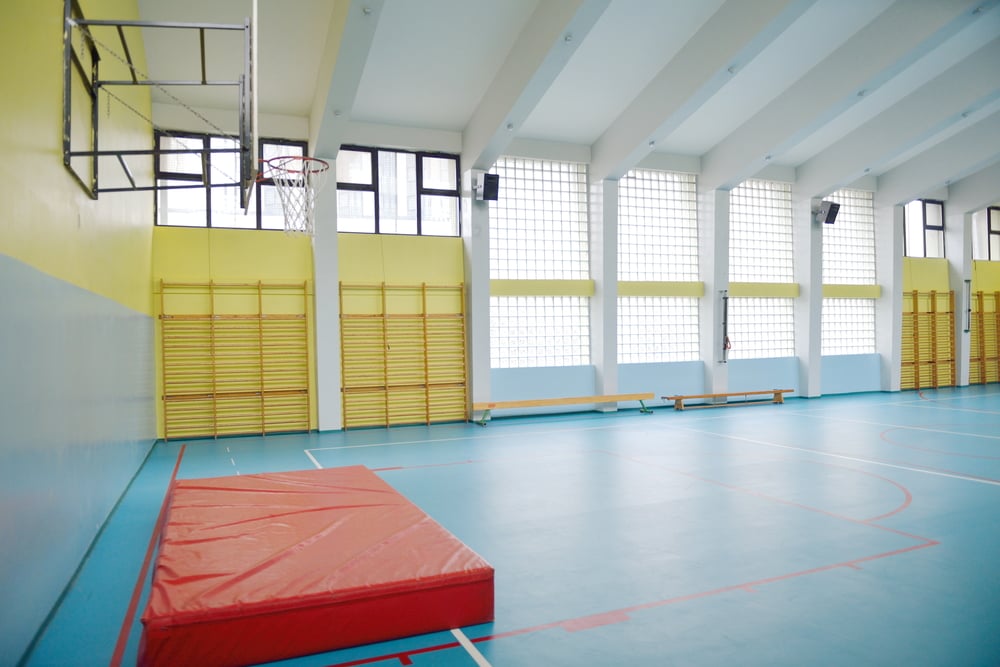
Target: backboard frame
(82,71)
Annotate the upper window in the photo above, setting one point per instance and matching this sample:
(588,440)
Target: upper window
(657,226)
(538,226)
(760,232)
(849,245)
(924,228)
(383,191)
(986,234)
(201,188)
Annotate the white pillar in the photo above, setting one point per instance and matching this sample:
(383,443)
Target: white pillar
(889,306)
(958,250)
(326,289)
(808,310)
(713,249)
(604,272)
(476,243)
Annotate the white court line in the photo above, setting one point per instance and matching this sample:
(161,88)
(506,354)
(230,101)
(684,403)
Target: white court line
(313,459)
(926,471)
(470,648)
(901,426)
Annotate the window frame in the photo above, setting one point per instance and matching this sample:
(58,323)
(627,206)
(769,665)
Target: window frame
(205,181)
(925,227)
(992,229)
(373,187)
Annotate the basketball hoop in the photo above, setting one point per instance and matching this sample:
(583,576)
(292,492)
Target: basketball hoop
(297,179)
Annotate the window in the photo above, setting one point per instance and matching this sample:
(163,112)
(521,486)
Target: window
(848,324)
(924,228)
(761,328)
(657,242)
(382,191)
(657,226)
(760,232)
(986,234)
(657,328)
(538,225)
(201,188)
(538,231)
(761,251)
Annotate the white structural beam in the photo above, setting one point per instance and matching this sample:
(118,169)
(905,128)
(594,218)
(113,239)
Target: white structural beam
(962,89)
(541,51)
(976,192)
(894,40)
(732,37)
(348,41)
(972,149)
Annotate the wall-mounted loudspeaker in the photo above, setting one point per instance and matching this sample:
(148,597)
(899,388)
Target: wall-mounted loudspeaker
(827,212)
(487,187)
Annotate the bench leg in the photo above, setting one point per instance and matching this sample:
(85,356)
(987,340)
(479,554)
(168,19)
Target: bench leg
(779,397)
(679,404)
(485,418)
(643,409)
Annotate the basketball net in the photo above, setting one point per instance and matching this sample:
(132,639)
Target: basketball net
(298,179)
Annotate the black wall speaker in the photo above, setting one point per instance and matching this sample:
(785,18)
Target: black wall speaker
(827,212)
(487,187)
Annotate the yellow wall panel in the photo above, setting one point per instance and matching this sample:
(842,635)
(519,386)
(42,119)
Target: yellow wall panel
(925,274)
(664,288)
(47,220)
(764,290)
(541,288)
(985,276)
(400,260)
(852,291)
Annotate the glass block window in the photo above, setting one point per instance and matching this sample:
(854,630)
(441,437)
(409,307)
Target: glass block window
(538,226)
(761,328)
(848,325)
(657,226)
(849,244)
(923,230)
(760,232)
(528,331)
(655,329)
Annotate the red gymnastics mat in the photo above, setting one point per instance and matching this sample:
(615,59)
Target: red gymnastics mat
(257,568)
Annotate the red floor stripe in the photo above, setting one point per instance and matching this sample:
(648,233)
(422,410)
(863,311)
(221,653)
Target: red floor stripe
(116,657)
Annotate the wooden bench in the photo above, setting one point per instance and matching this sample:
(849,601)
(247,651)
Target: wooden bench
(547,402)
(777,396)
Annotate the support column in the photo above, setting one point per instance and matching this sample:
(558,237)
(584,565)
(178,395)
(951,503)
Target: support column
(889,306)
(476,243)
(326,311)
(958,251)
(713,250)
(808,310)
(604,272)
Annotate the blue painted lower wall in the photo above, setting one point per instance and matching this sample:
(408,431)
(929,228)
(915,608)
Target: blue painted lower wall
(77,418)
(851,373)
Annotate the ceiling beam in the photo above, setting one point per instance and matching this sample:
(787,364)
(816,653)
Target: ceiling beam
(731,38)
(959,91)
(348,41)
(541,51)
(890,43)
(970,150)
(976,192)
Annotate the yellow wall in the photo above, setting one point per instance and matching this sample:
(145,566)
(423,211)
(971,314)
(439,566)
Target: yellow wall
(925,274)
(400,260)
(985,276)
(47,221)
(183,254)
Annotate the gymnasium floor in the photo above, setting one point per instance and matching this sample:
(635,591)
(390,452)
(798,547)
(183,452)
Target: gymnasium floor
(847,530)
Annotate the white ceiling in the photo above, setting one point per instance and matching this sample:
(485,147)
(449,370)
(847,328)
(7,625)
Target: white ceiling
(830,91)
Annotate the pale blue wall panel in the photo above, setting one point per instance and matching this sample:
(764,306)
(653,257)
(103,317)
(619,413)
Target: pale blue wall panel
(663,379)
(77,418)
(851,373)
(514,384)
(758,374)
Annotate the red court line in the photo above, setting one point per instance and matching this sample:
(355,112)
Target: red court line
(116,657)
(884,435)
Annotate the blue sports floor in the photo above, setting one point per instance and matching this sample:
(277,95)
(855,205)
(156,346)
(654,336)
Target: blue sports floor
(847,530)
